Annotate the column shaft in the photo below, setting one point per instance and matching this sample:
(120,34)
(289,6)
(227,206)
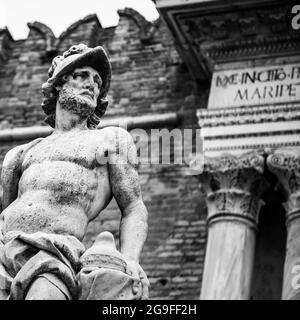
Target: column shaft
(285,164)
(232,185)
(228,262)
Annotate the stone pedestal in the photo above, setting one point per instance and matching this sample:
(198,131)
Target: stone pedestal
(233,186)
(285,164)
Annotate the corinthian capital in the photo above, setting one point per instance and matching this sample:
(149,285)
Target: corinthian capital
(285,164)
(233,185)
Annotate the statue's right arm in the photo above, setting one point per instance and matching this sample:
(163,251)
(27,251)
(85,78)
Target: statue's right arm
(10,176)
(11,172)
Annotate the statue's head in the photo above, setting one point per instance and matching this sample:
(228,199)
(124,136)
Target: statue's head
(79,80)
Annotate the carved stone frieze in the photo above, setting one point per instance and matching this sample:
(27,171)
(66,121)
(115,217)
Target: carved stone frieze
(235,24)
(285,164)
(238,148)
(228,162)
(248,115)
(246,48)
(220,31)
(233,185)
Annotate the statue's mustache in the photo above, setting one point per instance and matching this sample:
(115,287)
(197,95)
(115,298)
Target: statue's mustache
(74,102)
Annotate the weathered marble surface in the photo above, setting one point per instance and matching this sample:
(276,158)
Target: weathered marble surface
(229,261)
(57,185)
(233,186)
(103,273)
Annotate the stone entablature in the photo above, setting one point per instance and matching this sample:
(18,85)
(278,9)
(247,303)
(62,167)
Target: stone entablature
(254,86)
(250,54)
(242,129)
(211,32)
(248,115)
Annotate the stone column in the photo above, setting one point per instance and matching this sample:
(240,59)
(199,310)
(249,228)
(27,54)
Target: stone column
(233,186)
(285,164)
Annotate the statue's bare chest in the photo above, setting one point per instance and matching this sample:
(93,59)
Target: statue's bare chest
(76,148)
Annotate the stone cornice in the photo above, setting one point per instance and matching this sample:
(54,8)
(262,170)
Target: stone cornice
(212,32)
(248,115)
(245,48)
(249,32)
(249,128)
(253,146)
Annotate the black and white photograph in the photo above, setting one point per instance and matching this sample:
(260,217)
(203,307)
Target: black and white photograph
(150,150)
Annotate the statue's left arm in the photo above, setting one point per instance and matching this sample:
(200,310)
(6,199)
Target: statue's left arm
(127,192)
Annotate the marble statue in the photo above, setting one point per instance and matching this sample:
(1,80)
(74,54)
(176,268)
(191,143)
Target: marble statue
(54,186)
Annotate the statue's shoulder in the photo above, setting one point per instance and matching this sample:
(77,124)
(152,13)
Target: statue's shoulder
(117,142)
(18,152)
(114,134)
(26,147)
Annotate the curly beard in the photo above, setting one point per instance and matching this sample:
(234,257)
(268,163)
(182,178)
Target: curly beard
(74,103)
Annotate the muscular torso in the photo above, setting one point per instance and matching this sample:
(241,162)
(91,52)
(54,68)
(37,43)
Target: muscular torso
(62,186)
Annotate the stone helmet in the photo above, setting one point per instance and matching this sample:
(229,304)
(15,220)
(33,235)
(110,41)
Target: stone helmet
(77,56)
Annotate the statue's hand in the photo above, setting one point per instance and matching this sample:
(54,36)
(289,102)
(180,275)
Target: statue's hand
(135,270)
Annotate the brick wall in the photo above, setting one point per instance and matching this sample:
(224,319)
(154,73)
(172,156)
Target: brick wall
(148,78)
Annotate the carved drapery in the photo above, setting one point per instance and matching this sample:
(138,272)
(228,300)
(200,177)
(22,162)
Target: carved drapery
(233,186)
(285,164)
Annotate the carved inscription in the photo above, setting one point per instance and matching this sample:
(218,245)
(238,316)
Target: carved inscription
(255,86)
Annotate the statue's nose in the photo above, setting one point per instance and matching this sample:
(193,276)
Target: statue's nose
(89,85)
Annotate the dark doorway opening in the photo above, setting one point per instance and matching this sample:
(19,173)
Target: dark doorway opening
(270,246)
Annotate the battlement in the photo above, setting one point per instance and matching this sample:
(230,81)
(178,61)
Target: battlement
(5,44)
(133,43)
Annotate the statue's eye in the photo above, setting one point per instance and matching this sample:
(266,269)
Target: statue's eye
(76,75)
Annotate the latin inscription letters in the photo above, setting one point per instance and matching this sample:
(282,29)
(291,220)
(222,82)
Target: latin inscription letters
(261,85)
